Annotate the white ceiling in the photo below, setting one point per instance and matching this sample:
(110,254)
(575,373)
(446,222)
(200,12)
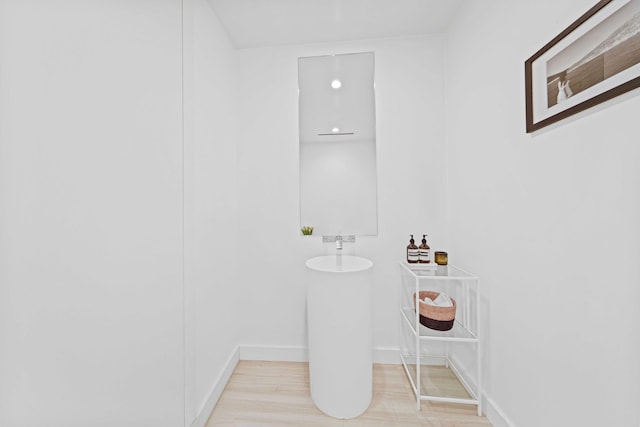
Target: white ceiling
(260,23)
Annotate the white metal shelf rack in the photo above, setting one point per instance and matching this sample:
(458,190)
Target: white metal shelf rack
(458,350)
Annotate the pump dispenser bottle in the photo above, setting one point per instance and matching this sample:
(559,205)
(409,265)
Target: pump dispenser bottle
(413,253)
(424,251)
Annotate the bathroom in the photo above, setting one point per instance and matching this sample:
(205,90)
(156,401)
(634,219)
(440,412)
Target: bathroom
(149,211)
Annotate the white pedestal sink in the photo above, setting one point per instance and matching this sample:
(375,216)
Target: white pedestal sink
(340,335)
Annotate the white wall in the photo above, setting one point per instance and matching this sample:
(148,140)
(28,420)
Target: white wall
(550,224)
(210,206)
(411,173)
(90,213)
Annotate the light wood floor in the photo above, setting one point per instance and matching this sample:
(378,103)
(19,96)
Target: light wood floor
(277,394)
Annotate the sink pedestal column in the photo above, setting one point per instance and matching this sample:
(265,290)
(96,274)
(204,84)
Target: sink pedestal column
(340,339)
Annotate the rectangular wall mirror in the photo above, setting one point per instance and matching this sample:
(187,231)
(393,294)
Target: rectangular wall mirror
(338,185)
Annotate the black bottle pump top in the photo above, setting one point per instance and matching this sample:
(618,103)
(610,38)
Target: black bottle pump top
(411,240)
(424,239)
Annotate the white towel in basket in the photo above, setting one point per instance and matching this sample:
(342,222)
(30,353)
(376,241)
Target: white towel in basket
(442,300)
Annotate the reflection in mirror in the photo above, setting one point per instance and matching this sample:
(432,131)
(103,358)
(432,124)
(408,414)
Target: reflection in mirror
(338,144)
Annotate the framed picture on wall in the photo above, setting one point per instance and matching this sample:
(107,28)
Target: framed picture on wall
(595,59)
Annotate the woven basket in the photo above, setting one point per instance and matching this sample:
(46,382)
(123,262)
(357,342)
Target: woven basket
(434,317)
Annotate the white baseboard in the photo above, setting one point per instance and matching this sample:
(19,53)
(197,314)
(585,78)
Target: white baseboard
(272,353)
(216,391)
(495,415)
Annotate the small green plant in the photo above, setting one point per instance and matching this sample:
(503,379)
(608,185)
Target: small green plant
(307,231)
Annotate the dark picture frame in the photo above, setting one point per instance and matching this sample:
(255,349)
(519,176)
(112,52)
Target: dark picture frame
(592,61)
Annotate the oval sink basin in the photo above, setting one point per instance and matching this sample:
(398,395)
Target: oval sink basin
(339,263)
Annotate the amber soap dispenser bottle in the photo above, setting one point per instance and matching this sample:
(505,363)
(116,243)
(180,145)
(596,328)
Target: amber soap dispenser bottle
(424,251)
(413,253)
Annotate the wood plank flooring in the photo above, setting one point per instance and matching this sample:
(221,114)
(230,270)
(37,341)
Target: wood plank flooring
(277,394)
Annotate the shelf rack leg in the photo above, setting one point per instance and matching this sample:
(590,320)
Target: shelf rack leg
(417,338)
(478,348)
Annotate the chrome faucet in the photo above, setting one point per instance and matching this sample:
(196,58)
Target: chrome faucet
(339,239)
